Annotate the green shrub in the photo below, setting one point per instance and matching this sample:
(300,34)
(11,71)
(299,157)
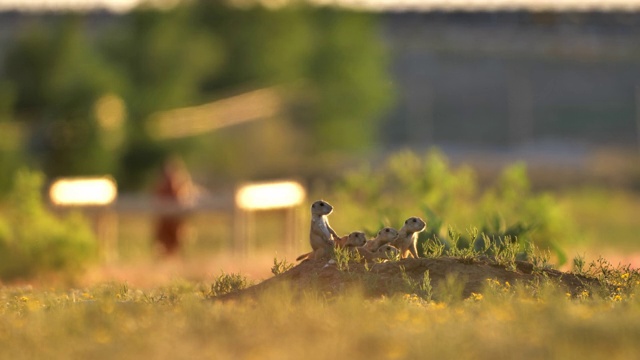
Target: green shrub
(33,241)
(228,283)
(406,184)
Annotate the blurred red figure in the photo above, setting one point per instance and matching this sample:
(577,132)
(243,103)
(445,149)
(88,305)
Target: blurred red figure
(175,190)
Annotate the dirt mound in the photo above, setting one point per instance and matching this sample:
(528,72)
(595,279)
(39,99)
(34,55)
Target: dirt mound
(394,277)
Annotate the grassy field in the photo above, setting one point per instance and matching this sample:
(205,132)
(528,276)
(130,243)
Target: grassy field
(180,320)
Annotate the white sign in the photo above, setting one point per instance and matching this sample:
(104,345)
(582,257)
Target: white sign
(271,195)
(83,191)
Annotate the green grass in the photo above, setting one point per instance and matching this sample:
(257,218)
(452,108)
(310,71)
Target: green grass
(183,320)
(177,322)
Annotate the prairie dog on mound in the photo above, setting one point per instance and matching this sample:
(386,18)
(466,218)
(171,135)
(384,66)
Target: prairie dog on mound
(353,240)
(384,236)
(321,235)
(383,252)
(408,236)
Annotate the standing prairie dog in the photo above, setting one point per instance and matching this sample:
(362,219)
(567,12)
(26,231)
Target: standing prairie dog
(384,236)
(321,235)
(408,236)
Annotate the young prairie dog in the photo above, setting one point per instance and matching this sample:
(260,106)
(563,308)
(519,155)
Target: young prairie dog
(383,252)
(384,236)
(355,239)
(408,236)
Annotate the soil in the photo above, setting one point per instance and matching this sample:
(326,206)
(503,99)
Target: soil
(387,278)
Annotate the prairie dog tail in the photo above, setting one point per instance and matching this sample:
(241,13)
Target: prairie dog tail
(303,256)
(317,254)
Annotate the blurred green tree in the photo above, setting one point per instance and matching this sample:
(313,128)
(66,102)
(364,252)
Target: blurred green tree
(334,56)
(333,62)
(58,76)
(329,62)
(349,82)
(12,149)
(163,57)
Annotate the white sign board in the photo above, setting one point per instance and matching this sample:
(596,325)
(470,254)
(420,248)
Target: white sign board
(270,195)
(83,191)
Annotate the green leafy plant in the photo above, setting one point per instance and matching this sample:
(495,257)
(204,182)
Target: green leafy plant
(34,241)
(280,266)
(578,264)
(228,283)
(421,287)
(466,254)
(539,258)
(343,256)
(433,248)
(505,252)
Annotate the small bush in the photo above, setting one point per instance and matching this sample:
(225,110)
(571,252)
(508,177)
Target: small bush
(410,185)
(33,241)
(228,283)
(280,266)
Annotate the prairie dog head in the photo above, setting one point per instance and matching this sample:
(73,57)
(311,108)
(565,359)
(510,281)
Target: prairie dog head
(321,208)
(356,238)
(414,224)
(387,234)
(387,251)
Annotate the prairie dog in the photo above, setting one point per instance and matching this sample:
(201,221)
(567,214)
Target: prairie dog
(321,234)
(355,239)
(384,236)
(383,252)
(408,236)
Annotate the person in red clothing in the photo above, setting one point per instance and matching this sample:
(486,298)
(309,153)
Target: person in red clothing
(175,190)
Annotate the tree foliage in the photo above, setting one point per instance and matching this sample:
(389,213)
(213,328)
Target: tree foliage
(58,75)
(331,61)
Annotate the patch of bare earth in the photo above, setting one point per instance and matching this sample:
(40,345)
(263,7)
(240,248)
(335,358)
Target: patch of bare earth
(388,278)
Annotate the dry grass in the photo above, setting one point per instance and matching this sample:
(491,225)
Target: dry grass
(180,320)
(107,321)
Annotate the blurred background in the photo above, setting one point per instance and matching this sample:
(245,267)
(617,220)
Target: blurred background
(197,133)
